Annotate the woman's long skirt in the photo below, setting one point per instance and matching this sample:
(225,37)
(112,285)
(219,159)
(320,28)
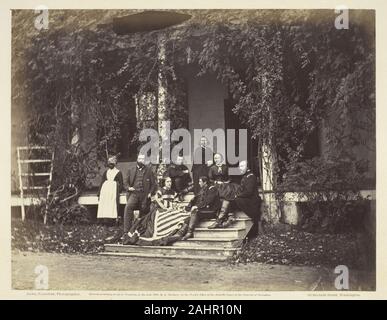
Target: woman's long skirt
(107,206)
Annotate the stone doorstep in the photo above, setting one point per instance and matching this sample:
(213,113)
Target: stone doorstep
(171,250)
(169,256)
(231,233)
(208,244)
(212,243)
(239,223)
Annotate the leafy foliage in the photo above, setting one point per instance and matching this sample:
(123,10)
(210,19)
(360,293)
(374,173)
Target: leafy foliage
(288,72)
(331,188)
(289,246)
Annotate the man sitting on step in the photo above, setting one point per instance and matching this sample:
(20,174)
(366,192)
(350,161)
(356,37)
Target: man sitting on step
(247,198)
(205,203)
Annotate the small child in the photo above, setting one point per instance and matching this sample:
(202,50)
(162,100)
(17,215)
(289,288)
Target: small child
(109,192)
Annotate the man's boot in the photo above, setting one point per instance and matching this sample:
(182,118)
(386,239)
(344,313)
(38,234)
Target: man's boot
(191,225)
(229,221)
(182,231)
(219,220)
(125,239)
(222,216)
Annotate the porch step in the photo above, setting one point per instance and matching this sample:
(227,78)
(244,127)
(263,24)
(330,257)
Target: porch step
(239,223)
(172,251)
(212,243)
(161,256)
(207,244)
(230,233)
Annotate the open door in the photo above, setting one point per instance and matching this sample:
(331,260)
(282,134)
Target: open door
(232,121)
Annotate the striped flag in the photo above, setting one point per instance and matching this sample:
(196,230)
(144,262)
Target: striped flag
(168,221)
(158,225)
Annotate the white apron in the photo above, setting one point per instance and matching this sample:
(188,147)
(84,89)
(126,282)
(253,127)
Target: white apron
(107,206)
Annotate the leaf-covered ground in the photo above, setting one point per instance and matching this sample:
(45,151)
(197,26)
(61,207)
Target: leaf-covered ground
(277,245)
(37,237)
(289,246)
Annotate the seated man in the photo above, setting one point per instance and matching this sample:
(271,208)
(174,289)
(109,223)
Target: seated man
(247,198)
(180,176)
(207,201)
(218,175)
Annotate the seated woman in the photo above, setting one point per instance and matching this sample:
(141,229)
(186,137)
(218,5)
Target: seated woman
(166,197)
(164,224)
(218,174)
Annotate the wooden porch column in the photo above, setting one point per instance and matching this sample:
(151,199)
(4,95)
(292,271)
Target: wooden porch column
(163,125)
(267,164)
(272,209)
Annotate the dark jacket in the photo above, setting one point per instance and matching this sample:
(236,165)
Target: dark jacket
(149,180)
(216,174)
(248,200)
(199,163)
(177,171)
(207,199)
(248,186)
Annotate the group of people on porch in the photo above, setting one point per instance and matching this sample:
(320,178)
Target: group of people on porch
(157,215)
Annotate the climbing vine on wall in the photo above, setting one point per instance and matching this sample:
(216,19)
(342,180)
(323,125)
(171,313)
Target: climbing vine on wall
(287,71)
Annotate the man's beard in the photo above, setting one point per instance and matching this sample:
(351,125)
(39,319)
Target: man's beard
(141,164)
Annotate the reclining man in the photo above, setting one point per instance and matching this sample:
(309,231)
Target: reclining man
(207,201)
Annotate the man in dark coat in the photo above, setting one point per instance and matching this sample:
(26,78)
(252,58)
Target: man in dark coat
(202,155)
(141,185)
(179,174)
(207,201)
(247,198)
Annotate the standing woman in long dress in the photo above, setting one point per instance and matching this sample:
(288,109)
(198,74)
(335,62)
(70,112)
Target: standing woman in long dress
(109,192)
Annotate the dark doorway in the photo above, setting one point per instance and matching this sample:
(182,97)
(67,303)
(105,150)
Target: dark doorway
(232,121)
(128,127)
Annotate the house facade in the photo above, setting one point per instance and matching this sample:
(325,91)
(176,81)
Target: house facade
(208,103)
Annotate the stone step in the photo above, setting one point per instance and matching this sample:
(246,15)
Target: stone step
(212,243)
(241,215)
(239,223)
(162,256)
(207,244)
(171,251)
(229,233)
